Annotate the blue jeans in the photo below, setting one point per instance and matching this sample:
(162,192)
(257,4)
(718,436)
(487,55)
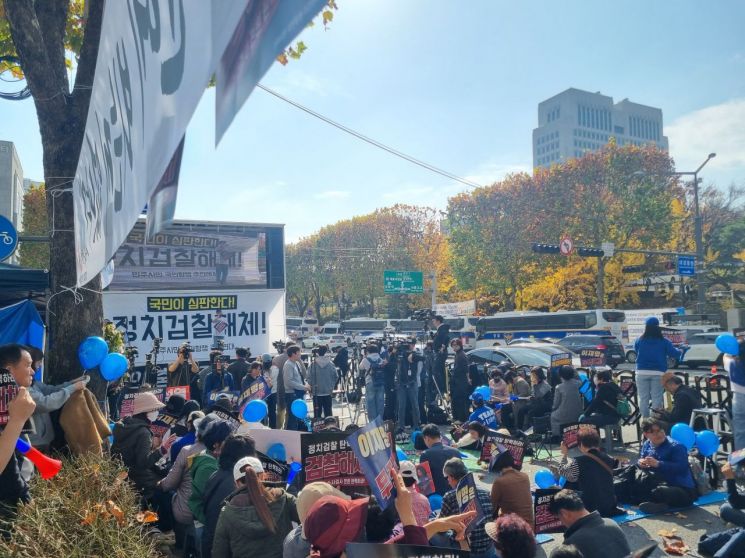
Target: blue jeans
(649,387)
(732,515)
(734,548)
(738,419)
(293,423)
(411,394)
(374,401)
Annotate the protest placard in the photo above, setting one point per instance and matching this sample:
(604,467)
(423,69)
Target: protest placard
(425,483)
(513,445)
(258,389)
(226,416)
(569,435)
(545,521)
(8,391)
(162,424)
(274,470)
(183,391)
(465,495)
(380,550)
(591,357)
(557,361)
(289,439)
(373,448)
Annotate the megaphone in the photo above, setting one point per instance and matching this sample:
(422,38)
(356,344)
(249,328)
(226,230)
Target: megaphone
(47,466)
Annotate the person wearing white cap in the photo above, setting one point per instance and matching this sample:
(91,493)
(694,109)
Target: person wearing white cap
(256,519)
(419,502)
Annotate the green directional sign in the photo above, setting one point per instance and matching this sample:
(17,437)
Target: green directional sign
(403,282)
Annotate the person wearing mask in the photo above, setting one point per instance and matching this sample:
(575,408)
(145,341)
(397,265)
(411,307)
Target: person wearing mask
(669,459)
(591,473)
(181,369)
(519,398)
(296,545)
(373,368)
(407,396)
(239,367)
(322,377)
(293,377)
(482,412)
(480,543)
(510,492)
(460,385)
(436,455)
(222,484)
(735,367)
(500,391)
(217,381)
(652,352)
(540,400)
(685,400)
(513,536)
(593,535)
(602,409)
(568,402)
(440,347)
(191,433)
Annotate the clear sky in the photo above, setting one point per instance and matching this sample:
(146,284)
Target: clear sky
(455,84)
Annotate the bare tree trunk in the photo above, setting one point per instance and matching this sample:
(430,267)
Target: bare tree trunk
(38,31)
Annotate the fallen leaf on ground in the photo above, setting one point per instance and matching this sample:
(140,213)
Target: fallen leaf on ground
(680,515)
(675,546)
(147,517)
(667,532)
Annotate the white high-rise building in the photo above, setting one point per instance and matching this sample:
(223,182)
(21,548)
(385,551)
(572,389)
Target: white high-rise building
(575,122)
(11,188)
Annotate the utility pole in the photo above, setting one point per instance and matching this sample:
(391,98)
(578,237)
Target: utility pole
(433,277)
(601,282)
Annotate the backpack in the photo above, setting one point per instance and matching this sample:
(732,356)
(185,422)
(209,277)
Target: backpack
(377,372)
(701,479)
(623,407)
(436,415)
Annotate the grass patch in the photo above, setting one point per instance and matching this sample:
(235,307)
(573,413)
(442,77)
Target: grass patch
(87,510)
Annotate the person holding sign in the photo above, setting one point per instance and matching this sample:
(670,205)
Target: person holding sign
(602,408)
(436,455)
(217,381)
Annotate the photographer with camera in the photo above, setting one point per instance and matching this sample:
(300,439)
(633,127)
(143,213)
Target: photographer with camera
(373,369)
(440,346)
(239,367)
(218,380)
(181,369)
(410,365)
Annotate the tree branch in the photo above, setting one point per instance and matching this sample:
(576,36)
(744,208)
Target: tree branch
(87,60)
(52,18)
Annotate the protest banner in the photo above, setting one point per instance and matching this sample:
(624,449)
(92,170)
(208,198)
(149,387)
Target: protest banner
(183,391)
(128,394)
(465,495)
(675,336)
(227,416)
(258,389)
(513,445)
(380,550)
(274,470)
(162,424)
(425,483)
(374,450)
(557,361)
(545,521)
(591,357)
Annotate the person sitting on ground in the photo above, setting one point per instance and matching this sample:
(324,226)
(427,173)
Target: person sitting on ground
(513,536)
(474,437)
(663,455)
(732,510)
(591,473)
(685,400)
(593,535)
(436,455)
(480,544)
(190,437)
(322,377)
(566,551)
(296,545)
(222,483)
(568,402)
(510,492)
(540,401)
(420,504)
(256,519)
(602,409)
(500,391)
(181,428)
(482,412)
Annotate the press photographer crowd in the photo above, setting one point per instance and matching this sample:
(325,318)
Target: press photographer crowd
(382,447)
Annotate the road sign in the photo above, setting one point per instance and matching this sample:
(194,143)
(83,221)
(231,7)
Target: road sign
(609,249)
(686,265)
(403,282)
(8,238)
(566,245)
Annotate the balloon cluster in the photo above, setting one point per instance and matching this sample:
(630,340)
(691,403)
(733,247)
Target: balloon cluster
(94,351)
(546,479)
(706,441)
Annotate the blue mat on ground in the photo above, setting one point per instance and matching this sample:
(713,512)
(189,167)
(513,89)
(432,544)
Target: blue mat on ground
(635,514)
(543,538)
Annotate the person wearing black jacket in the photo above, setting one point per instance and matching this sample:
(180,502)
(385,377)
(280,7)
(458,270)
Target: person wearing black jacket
(341,361)
(239,367)
(685,400)
(460,383)
(602,409)
(591,473)
(440,346)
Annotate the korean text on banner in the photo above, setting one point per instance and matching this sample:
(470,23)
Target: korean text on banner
(374,450)
(499,441)
(153,66)
(382,550)
(545,521)
(465,494)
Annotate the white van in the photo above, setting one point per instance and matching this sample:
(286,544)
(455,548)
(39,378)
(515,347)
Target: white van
(331,329)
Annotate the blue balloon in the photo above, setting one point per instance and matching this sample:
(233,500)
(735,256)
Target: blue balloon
(92,352)
(299,409)
(683,434)
(401,454)
(707,442)
(484,391)
(255,411)
(544,478)
(727,343)
(435,501)
(295,468)
(114,366)
(277,452)
(562,481)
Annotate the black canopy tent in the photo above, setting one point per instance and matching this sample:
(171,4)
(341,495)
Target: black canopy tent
(18,283)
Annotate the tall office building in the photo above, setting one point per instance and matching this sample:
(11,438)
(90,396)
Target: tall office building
(575,122)
(11,188)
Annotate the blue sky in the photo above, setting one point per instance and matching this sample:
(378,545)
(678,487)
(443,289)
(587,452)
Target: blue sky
(454,84)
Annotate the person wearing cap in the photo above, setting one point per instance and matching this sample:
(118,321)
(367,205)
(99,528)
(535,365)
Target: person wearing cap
(479,542)
(222,484)
(482,412)
(593,535)
(436,455)
(420,503)
(296,544)
(181,428)
(510,491)
(513,536)
(218,380)
(652,352)
(256,519)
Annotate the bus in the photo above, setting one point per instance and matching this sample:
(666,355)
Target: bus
(359,329)
(300,327)
(463,328)
(502,328)
(409,328)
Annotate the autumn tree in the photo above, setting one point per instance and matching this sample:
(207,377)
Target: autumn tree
(35,223)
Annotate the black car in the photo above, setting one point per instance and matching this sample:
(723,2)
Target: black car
(612,347)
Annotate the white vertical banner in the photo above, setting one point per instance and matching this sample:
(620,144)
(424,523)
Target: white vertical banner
(154,62)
